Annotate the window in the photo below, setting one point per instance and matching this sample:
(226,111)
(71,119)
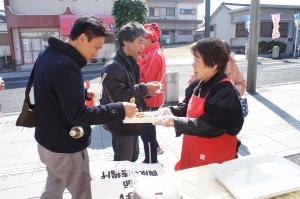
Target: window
(185,32)
(188,11)
(170,11)
(240,30)
(165,32)
(153,12)
(156,12)
(163,11)
(33,43)
(4,39)
(266,29)
(212,28)
(283,29)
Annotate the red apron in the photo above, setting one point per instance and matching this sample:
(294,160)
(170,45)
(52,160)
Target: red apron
(198,151)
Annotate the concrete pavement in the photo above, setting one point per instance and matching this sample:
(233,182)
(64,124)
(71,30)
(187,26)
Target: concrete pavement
(273,124)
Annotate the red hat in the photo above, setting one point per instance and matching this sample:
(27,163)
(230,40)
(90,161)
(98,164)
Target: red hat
(153,31)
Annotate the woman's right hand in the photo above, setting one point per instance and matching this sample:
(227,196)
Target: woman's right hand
(166,122)
(165,112)
(130,109)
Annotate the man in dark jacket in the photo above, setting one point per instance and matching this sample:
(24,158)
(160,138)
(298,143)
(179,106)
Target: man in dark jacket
(59,98)
(121,84)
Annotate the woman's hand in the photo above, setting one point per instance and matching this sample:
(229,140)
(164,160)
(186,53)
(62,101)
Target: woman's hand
(165,112)
(166,122)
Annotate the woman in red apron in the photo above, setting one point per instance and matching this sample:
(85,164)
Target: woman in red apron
(210,116)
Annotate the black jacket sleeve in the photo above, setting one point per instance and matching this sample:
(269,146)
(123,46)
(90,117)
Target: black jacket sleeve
(70,94)
(118,85)
(222,113)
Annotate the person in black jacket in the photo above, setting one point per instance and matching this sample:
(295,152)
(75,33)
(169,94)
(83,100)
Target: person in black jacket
(210,116)
(59,98)
(122,84)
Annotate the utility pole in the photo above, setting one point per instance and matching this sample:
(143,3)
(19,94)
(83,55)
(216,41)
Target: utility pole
(297,24)
(207,19)
(253,46)
(296,39)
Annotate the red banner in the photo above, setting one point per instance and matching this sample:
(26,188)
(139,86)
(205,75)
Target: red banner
(67,21)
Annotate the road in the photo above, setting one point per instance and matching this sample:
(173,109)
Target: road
(269,72)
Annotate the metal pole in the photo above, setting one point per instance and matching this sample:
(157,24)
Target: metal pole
(207,19)
(253,46)
(296,40)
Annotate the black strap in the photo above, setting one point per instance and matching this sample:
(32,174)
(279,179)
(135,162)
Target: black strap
(29,85)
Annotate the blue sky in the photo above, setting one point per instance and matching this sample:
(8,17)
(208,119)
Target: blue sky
(216,3)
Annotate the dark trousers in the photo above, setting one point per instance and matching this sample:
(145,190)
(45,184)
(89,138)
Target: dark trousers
(148,135)
(126,147)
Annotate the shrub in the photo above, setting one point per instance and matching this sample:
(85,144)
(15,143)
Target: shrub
(266,46)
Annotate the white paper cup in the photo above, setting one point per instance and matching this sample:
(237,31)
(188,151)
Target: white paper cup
(97,90)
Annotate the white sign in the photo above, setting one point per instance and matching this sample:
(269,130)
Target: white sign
(276,20)
(115,179)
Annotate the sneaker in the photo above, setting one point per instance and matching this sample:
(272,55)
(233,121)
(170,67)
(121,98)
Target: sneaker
(160,150)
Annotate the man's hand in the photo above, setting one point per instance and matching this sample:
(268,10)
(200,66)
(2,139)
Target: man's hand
(153,87)
(130,109)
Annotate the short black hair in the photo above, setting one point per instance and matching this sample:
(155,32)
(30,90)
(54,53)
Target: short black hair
(213,51)
(89,25)
(130,32)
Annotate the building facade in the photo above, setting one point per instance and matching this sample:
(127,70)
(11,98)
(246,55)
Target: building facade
(178,19)
(228,23)
(31,22)
(4,44)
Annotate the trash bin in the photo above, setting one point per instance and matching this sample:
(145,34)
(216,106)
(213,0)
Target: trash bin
(275,52)
(172,87)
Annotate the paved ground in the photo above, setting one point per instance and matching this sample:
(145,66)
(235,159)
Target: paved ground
(273,125)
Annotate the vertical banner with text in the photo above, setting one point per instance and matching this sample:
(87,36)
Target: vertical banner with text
(276,20)
(247,28)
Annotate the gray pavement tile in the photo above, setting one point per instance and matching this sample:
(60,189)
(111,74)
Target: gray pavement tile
(8,162)
(17,180)
(274,147)
(14,150)
(38,177)
(7,136)
(23,192)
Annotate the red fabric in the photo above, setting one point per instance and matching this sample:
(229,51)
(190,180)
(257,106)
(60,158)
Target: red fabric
(67,21)
(153,31)
(198,151)
(90,102)
(153,68)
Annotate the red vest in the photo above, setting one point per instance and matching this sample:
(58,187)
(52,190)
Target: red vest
(198,151)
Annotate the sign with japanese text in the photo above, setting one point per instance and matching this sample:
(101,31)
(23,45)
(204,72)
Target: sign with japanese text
(115,179)
(276,20)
